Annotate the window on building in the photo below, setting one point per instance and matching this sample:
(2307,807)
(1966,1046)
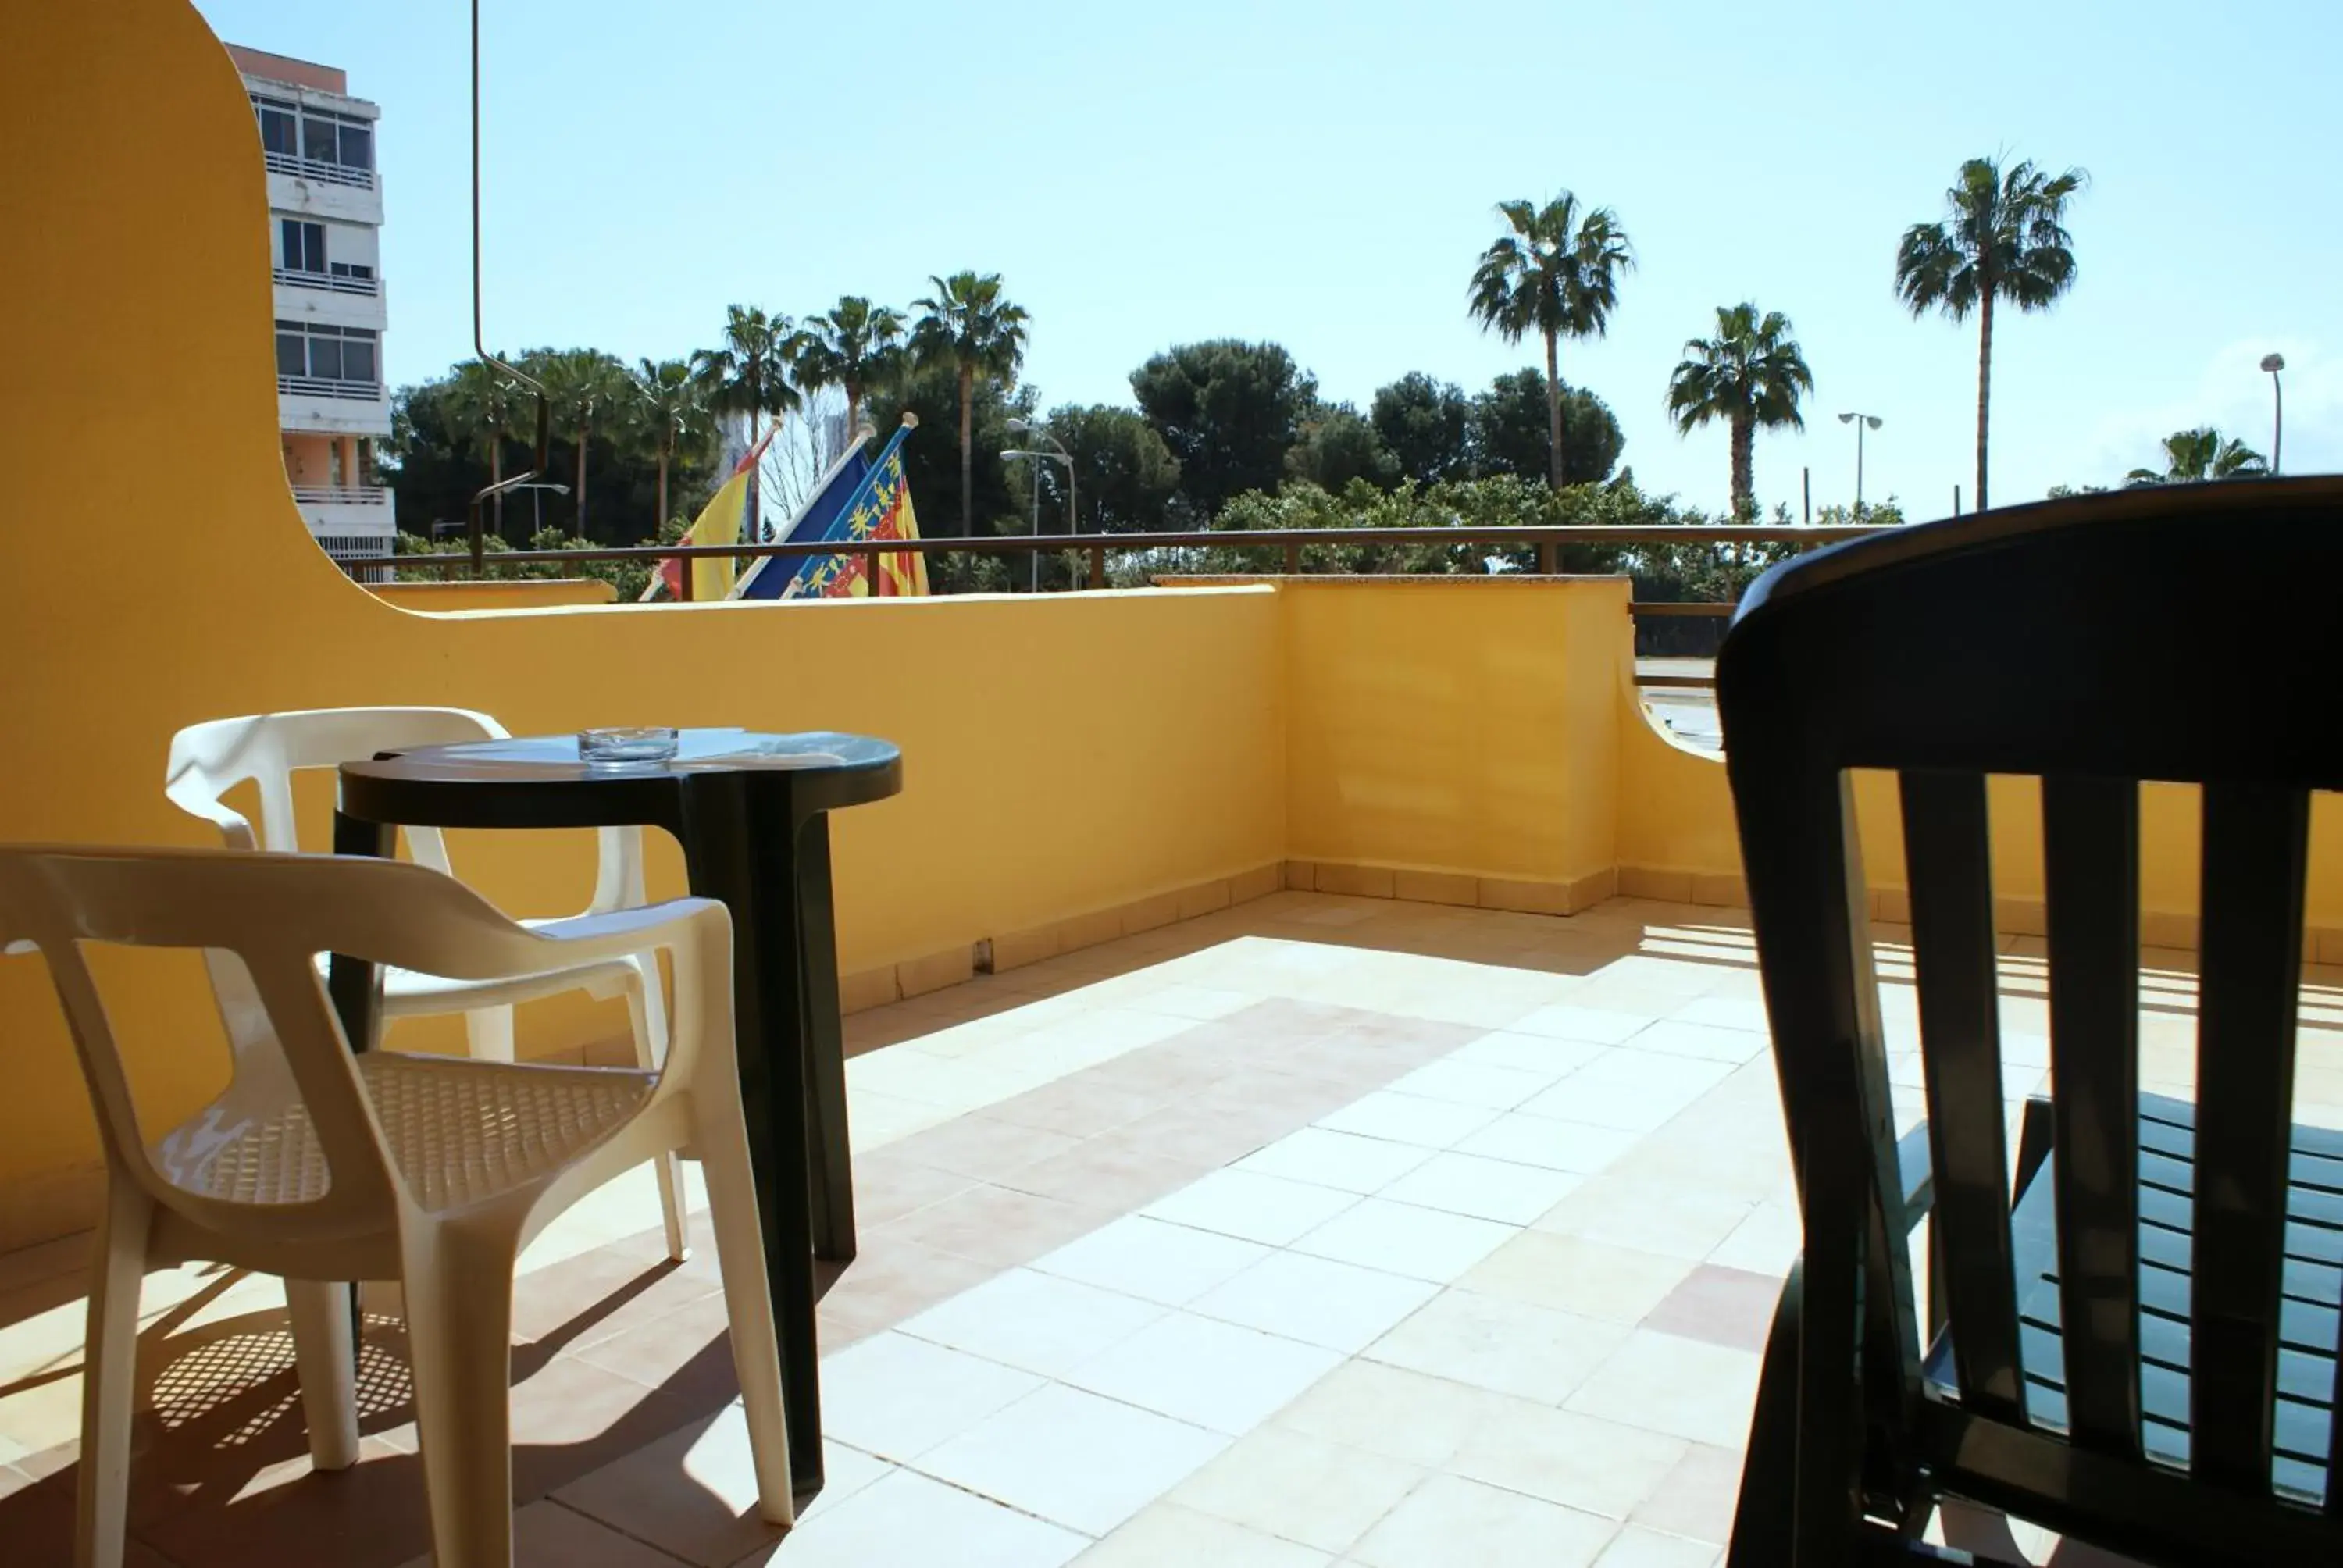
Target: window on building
(279,122)
(330,138)
(304,245)
(325,353)
(352,269)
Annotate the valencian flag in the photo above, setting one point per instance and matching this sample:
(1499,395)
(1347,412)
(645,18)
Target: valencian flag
(720,522)
(769,575)
(878,508)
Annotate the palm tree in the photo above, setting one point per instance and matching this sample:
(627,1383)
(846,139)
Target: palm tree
(967,325)
(587,387)
(750,374)
(673,408)
(1750,374)
(1556,275)
(487,400)
(2192,457)
(2003,237)
(851,347)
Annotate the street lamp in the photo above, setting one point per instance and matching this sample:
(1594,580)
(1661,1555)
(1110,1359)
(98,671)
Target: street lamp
(1034,556)
(1058,451)
(2274,363)
(536,502)
(1859,421)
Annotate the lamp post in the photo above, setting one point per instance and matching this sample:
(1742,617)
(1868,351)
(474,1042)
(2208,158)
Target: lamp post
(1859,421)
(2274,363)
(537,502)
(1034,556)
(1058,450)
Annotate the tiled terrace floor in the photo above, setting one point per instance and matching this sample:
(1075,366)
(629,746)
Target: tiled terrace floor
(1317,1230)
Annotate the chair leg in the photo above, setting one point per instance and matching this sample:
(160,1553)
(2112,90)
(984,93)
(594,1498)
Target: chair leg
(109,1375)
(326,1353)
(489,1031)
(459,1288)
(647,1015)
(1764,1519)
(723,1147)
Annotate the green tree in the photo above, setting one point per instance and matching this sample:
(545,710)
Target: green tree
(487,402)
(1123,473)
(968,327)
(1556,275)
(2003,237)
(1339,445)
(2193,457)
(1750,375)
(672,410)
(1513,430)
(1229,411)
(931,455)
(1426,426)
(750,372)
(853,348)
(587,388)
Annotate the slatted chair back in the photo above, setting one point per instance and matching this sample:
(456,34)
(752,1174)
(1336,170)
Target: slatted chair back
(2170,1391)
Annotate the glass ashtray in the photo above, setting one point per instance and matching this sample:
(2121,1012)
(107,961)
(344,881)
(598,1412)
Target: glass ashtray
(628,744)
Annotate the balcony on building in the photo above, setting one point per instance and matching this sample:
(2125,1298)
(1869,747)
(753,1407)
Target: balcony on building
(317,140)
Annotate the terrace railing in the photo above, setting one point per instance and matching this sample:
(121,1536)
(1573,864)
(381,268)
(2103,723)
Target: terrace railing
(319,170)
(1287,547)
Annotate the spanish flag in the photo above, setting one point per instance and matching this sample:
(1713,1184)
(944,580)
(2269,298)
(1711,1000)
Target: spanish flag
(720,522)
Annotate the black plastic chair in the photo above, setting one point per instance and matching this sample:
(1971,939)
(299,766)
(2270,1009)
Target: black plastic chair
(2139,1334)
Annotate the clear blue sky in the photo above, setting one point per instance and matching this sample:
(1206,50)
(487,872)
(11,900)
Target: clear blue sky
(1322,173)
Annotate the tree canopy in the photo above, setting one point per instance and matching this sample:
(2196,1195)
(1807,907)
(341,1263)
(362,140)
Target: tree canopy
(1750,376)
(2193,457)
(1229,411)
(1555,274)
(1511,431)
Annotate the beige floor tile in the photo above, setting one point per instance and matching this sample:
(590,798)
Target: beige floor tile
(1254,1208)
(1393,1412)
(548,1536)
(1572,1019)
(1339,1306)
(1729,1307)
(1153,1260)
(909,1518)
(1679,1036)
(1504,1346)
(1403,1239)
(1344,1160)
(1301,1488)
(1575,1146)
(1450,1521)
(1409,1119)
(1474,1083)
(1684,1222)
(1168,1535)
(1073,1458)
(1697,1497)
(1526,1052)
(1221,1376)
(1033,1321)
(897,1396)
(1684,1388)
(1499,1189)
(693,1493)
(1636,1547)
(1599,1467)
(1572,1274)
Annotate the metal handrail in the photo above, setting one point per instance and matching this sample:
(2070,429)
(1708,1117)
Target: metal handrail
(343,494)
(332,283)
(319,170)
(319,387)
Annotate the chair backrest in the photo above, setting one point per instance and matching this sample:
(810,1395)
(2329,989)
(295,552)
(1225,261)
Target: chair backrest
(273,913)
(207,760)
(2184,634)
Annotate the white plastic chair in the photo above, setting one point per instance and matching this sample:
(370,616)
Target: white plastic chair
(207,760)
(322,1165)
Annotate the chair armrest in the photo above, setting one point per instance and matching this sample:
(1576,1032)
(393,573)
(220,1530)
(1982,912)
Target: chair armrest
(1919,1174)
(2034,1137)
(235,830)
(619,933)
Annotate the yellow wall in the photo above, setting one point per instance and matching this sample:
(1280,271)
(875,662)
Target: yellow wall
(1063,754)
(458,595)
(1457,724)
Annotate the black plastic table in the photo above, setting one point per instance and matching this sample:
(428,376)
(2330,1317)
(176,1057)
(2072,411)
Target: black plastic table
(751,813)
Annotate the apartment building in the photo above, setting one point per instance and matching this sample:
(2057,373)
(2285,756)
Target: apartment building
(324,227)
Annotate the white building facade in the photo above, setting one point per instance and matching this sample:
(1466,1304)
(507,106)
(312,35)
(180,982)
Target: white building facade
(325,222)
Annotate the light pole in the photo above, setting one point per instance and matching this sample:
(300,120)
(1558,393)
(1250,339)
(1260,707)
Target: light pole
(536,502)
(1058,451)
(2274,363)
(1859,421)
(1034,556)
